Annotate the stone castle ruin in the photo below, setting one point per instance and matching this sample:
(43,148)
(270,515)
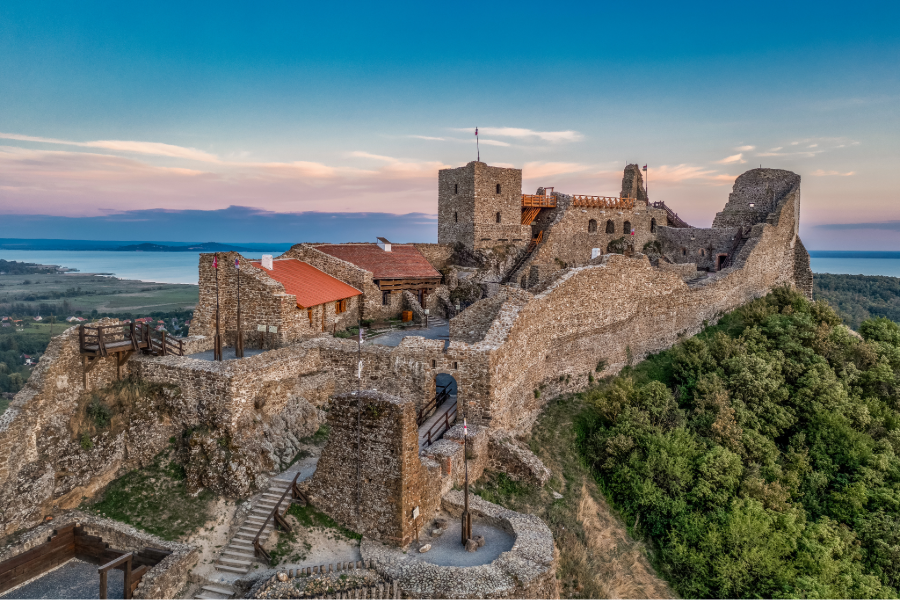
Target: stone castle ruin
(536,294)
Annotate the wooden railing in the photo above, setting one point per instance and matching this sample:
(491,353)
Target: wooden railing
(166,344)
(436,402)
(279,519)
(538,201)
(443,423)
(602,202)
(673,216)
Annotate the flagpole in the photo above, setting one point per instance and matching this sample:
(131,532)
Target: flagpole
(358,416)
(477,147)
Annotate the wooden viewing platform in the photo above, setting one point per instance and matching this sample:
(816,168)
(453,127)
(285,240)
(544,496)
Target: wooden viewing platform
(122,341)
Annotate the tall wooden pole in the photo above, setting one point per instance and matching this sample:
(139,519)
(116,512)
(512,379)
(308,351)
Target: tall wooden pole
(466,517)
(217,340)
(239,341)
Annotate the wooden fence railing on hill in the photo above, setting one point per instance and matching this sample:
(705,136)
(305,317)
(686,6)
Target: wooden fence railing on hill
(279,518)
(538,201)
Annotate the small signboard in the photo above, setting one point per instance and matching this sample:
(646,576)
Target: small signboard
(273,329)
(260,327)
(416,513)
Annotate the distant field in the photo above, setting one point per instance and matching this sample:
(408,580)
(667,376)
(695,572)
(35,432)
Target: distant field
(66,293)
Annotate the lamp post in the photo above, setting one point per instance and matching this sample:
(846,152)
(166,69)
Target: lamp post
(466,517)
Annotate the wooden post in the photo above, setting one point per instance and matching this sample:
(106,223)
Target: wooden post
(163,332)
(128,578)
(103,584)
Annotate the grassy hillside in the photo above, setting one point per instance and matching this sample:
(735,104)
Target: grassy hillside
(760,458)
(859,297)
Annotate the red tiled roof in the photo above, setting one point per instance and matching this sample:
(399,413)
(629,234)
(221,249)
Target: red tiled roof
(404,261)
(310,285)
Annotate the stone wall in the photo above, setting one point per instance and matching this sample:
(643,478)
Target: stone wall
(369,477)
(439,255)
(51,454)
(469,204)
(757,194)
(616,312)
(701,247)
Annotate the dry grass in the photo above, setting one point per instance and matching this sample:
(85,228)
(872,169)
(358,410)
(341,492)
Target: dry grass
(597,557)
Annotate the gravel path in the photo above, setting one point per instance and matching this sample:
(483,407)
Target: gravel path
(74,579)
(441,331)
(227,354)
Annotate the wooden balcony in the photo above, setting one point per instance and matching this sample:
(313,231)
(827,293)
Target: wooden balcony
(536,201)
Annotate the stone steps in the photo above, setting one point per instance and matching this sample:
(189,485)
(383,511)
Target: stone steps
(214,592)
(239,556)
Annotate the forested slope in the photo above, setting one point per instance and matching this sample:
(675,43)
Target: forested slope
(759,458)
(859,297)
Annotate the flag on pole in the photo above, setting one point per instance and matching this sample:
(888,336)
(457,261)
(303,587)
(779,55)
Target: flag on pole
(645,167)
(215,261)
(476,132)
(465,428)
(237,264)
(632,231)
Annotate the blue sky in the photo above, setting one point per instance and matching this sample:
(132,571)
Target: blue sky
(353,107)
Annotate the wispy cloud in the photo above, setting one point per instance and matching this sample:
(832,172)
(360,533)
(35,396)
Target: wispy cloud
(150,148)
(879,225)
(745,148)
(427,137)
(821,173)
(525,134)
(735,158)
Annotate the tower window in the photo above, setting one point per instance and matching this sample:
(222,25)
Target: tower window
(652,225)
(610,227)
(498,188)
(626,227)
(386,298)
(592,226)
(498,217)
(455,188)
(684,252)
(456,217)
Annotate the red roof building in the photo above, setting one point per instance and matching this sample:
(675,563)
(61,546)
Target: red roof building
(311,286)
(401,261)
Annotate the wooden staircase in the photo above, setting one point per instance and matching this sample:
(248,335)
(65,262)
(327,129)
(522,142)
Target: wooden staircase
(528,252)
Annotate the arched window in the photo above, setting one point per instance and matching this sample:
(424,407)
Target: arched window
(498,188)
(652,225)
(610,227)
(592,226)
(498,217)
(626,227)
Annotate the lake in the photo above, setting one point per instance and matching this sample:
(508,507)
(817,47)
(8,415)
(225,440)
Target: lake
(181,267)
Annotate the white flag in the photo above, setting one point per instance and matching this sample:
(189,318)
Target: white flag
(359,371)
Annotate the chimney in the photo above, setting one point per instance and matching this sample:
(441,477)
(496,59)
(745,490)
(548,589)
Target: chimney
(267,262)
(384,244)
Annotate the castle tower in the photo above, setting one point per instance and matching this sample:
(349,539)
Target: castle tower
(481,207)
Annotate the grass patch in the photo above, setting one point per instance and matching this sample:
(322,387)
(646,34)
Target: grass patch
(156,500)
(318,438)
(310,517)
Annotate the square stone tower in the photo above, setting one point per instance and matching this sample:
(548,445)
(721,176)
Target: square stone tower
(481,207)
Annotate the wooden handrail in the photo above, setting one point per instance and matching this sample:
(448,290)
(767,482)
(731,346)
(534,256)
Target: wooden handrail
(104,570)
(442,424)
(277,520)
(538,201)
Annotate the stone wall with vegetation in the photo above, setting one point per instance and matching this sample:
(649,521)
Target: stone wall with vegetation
(370,478)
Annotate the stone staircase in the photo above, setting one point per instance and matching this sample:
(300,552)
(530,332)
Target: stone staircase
(238,556)
(215,592)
